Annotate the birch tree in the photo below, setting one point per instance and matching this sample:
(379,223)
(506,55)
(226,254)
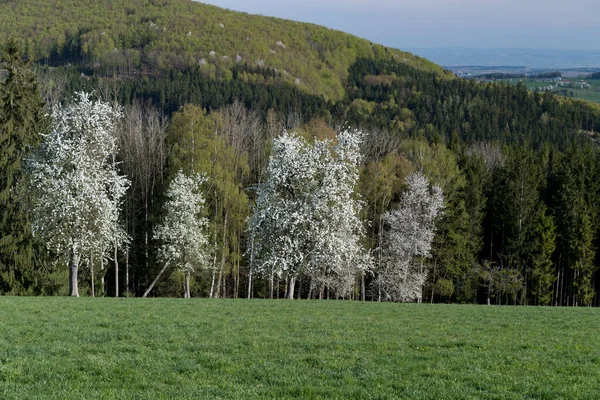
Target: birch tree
(76,185)
(408,240)
(183,232)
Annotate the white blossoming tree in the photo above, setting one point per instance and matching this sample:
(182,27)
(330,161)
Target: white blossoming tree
(76,185)
(306,215)
(183,232)
(337,254)
(408,240)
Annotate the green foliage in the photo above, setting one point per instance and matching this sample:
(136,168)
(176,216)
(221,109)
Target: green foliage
(142,36)
(21,122)
(195,147)
(543,247)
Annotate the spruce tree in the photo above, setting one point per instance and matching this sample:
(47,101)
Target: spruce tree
(21,122)
(543,247)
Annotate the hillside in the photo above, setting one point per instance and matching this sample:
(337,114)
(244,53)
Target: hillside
(517,168)
(149,36)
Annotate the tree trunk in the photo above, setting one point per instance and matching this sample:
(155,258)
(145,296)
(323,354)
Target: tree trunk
(116,272)
(73,267)
(212,283)
(102,288)
(291,286)
(92,274)
(363,294)
(127,270)
(187,286)
(222,267)
(250,282)
(155,280)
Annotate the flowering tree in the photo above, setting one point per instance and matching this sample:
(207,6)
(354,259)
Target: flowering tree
(306,215)
(183,231)
(408,240)
(337,254)
(75,183)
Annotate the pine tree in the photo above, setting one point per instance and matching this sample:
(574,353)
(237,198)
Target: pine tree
(21,122)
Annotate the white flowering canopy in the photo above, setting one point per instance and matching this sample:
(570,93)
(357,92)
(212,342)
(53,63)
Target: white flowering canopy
(408,239)
(75,182)
(306,214)
(183,230)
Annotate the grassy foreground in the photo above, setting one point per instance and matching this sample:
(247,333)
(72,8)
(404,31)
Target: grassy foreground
(59,348)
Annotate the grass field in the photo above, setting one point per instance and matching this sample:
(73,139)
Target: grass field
(592,94)
(63,348)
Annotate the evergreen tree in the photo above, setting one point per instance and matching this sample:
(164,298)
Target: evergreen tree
(542,249)
(21,122)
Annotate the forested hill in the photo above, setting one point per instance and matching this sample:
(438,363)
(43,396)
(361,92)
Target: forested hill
(150,36)
(519,171)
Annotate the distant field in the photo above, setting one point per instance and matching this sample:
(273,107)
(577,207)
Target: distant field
(63,348)
(592,94)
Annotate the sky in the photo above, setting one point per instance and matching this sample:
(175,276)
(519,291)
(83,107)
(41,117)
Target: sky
(417,24)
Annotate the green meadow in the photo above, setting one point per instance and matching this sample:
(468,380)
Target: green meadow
(66,348)
(592,94)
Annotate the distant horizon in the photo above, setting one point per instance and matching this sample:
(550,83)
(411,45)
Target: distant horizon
(441,24)
(500,48)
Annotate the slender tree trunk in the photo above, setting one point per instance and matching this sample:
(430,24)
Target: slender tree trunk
(73,268)
(102,286)
(92,274)
(291,286)
(155,280)
(363,293)
(250,282)
(116,272)
(212,282)
(222,267)
(251,265)
(127,270)
(187,286)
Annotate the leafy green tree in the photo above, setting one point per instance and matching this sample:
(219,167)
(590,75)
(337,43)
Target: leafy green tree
(195,148)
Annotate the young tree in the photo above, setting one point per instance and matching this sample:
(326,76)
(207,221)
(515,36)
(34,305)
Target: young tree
(75,183)
(195,147)
(183,231)
(408,240)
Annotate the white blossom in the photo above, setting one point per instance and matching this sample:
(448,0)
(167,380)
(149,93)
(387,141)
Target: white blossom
(306,214)
(184,242)
(77,189)
(408,239)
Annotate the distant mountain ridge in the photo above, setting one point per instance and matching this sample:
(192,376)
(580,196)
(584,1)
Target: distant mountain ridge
(146,36)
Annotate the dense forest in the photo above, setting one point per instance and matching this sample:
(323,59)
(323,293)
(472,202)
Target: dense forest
(519,171)
(149,37)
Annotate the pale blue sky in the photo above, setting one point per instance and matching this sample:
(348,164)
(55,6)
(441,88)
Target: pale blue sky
(409,24)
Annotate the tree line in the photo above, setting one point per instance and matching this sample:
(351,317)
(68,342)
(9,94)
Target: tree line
(517,222)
